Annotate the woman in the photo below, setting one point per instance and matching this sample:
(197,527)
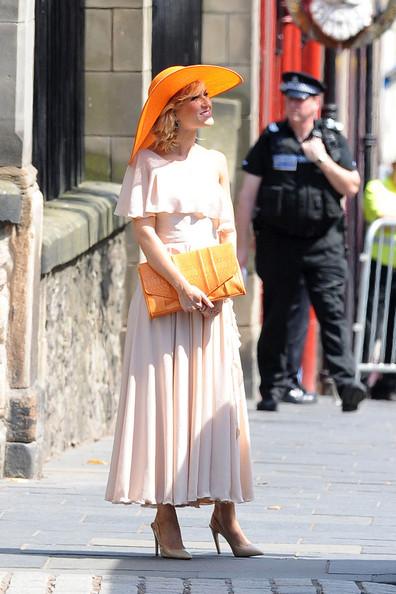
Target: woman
(182,433)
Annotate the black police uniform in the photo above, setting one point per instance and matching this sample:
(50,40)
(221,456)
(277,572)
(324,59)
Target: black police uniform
(297,327)
(299,231)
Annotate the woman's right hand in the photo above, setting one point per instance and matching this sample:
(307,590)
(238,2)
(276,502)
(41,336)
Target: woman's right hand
(192,298)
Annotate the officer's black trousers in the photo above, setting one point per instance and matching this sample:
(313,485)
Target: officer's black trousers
(281,260)
(297,328)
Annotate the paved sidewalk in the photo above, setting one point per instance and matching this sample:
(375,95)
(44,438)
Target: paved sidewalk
(323,514)
(45,583)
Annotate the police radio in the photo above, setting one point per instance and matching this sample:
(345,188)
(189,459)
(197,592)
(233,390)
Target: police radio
(328,130)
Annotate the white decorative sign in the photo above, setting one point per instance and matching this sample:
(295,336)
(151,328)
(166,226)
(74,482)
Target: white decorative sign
(343,23)
(341,20)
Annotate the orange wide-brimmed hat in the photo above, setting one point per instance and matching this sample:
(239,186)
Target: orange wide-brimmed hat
(167,83)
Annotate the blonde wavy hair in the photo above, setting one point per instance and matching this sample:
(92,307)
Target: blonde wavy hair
(165,127)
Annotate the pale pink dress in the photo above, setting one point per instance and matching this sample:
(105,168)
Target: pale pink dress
(182,433)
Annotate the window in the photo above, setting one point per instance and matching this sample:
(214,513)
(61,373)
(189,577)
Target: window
(176,33)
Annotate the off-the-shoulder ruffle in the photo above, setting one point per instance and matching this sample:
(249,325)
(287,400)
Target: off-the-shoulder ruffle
(154,185)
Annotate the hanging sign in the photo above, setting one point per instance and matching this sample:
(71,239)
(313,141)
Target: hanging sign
(343,23)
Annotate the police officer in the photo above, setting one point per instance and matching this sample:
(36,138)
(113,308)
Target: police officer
(295,177)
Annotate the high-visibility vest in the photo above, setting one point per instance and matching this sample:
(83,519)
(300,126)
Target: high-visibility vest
(379,195)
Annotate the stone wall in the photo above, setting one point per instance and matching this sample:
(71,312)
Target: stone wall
(6,264)
(83,311)
(60,331)
(118,72)
(230,37)
(16,80)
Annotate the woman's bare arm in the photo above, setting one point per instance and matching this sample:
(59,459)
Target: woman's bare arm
(190,297)
(229,235)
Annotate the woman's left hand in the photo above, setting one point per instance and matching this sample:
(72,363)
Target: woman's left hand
(214,311)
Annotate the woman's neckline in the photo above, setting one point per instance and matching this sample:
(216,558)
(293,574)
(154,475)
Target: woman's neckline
(174,160)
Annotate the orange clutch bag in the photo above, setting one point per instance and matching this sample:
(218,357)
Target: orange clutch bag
(215,270)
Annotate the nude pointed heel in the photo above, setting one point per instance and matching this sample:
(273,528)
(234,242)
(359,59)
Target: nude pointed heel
(215,538)
(245,550)
(156,542)
(165,552)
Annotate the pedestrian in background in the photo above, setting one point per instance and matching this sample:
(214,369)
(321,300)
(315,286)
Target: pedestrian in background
(295,177)
(182,435)
(380,202)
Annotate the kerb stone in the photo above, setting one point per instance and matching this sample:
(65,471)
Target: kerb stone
(22,417)
(22,460)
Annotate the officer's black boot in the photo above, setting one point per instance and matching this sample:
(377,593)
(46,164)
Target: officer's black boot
(384,388)
(296,393)
(351,396)
(268,403)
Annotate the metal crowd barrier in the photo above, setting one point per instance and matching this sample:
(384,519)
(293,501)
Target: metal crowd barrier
(371,327)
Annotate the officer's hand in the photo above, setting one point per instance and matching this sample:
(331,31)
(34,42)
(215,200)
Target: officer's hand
(314,149)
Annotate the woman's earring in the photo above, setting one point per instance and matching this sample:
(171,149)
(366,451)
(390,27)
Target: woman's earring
(177,124)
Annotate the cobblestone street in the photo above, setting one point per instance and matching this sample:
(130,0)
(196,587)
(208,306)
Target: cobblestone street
(323,514)
(34,583)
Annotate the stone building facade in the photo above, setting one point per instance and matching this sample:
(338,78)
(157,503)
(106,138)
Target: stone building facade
(117,74)
(231,37)
(67,265)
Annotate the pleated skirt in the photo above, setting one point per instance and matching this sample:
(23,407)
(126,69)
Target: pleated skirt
(182,434)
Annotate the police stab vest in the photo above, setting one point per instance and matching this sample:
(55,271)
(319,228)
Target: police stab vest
(294,196)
